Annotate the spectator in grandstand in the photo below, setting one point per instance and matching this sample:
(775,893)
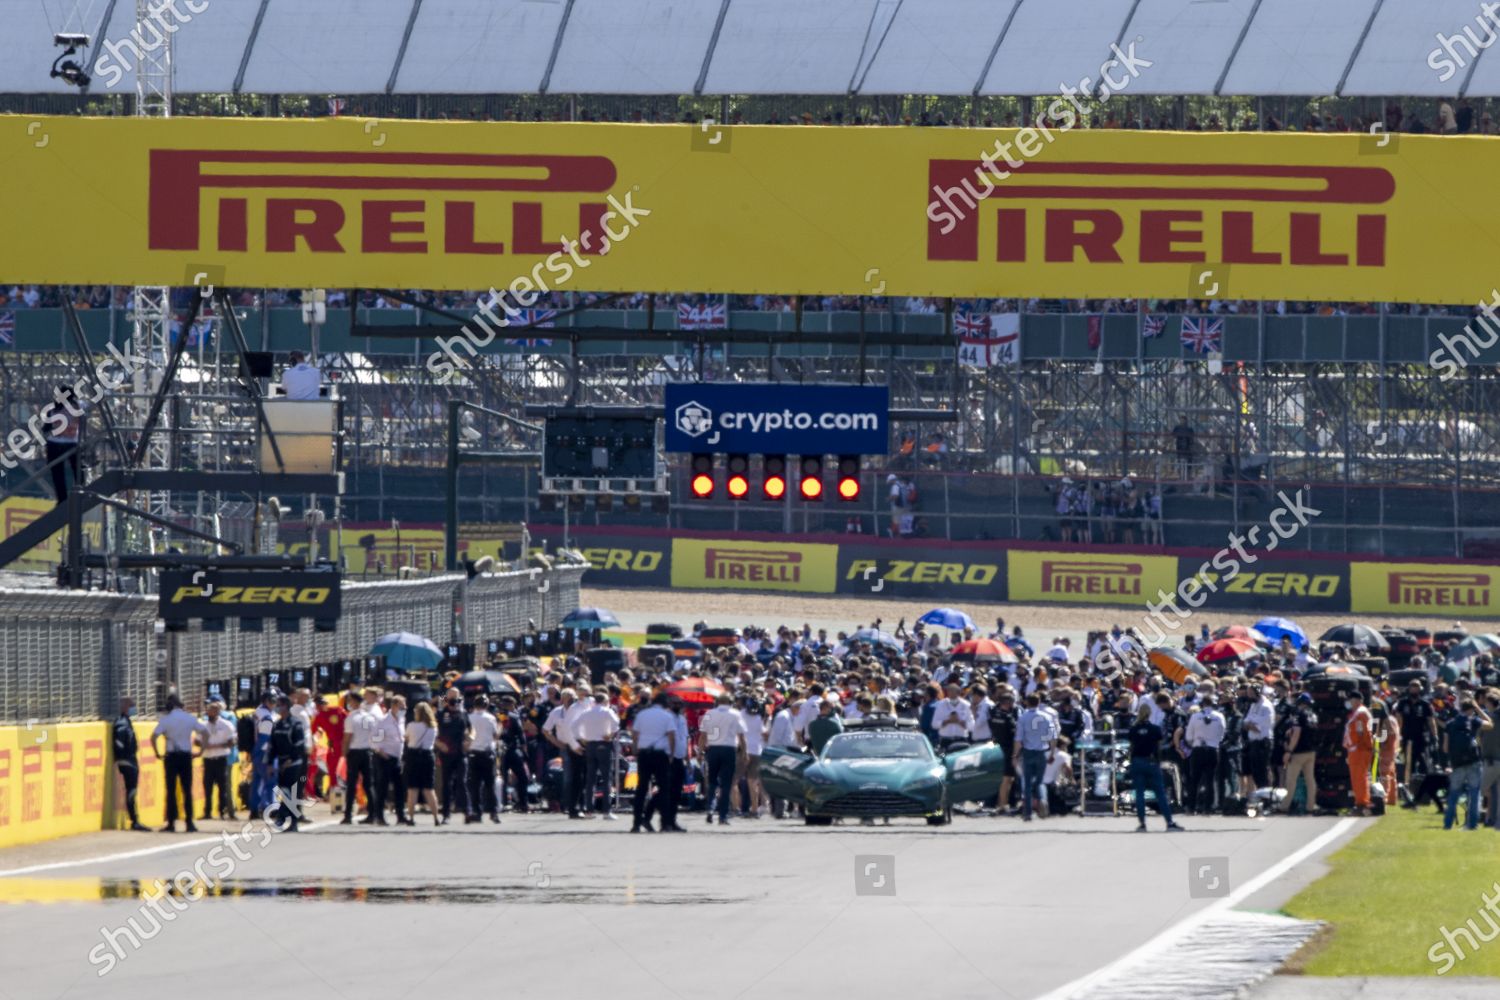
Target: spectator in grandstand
(300,380)
(1183,435)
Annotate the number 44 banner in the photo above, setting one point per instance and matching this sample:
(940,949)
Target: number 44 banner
(988,340)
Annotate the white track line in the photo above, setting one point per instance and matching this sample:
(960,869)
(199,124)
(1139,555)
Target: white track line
(1188,924)
(176,845)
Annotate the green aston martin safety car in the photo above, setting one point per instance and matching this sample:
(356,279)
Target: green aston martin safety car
(882,772)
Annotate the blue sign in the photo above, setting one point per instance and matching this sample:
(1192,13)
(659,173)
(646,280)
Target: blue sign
(762,418)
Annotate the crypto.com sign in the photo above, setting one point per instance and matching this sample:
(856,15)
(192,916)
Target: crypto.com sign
(346,203)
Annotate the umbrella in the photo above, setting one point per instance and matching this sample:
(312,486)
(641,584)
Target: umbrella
(949,618)
(696,690)
(875,637)
(1243,632)
(1176,665)
(1221,650)
(406,651)
(1276,629)
(1473,646)
(984,649)
(591,618)
(1357,635)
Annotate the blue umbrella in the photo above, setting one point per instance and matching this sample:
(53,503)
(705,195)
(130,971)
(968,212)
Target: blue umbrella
(1277,628)
(591,618)
(949,618)
(406,651)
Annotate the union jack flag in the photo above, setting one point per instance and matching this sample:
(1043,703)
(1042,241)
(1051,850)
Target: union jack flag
(974,326)
(539,318)
(1155,325)
(7,328)
(1203,335)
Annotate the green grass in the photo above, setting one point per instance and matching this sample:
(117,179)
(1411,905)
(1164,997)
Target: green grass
(1393,889)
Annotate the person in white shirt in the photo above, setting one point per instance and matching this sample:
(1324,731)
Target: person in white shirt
(300,380)
(952,719)
(420,764)
(1260,727)
(482,747)
(722,733)
(359,733)
(595,730)
(388,743)
(1204,733)
(755,742)
(178,728)
(981,705)
(218,739)
(655,740)
(807,712)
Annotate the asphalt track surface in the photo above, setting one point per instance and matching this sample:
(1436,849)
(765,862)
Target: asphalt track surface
(985,907)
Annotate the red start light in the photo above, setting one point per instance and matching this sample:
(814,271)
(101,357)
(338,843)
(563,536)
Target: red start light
(738,486)
(703,485)
(775,487)
(812,489)
(849,489)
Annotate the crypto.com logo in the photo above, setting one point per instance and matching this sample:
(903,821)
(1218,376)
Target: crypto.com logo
(694,419)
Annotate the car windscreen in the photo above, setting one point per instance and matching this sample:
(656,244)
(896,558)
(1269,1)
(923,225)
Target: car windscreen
(863,746)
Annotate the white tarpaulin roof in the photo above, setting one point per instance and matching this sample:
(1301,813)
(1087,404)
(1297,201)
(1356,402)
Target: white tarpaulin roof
(1373,48)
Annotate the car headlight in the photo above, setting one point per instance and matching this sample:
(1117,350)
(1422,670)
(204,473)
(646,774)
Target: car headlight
(818,778)
(932,780)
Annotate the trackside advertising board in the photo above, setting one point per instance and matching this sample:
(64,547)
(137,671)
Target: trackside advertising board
(778,419)
(1272,584)
(1450,590)
(1086,213)
(186,594)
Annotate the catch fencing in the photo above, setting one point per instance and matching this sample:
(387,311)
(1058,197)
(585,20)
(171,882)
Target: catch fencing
(67,655)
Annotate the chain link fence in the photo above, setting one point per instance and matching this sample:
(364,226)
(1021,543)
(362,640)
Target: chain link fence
(68,655)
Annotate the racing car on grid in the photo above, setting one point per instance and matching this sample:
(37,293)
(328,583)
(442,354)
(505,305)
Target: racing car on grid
(882,770)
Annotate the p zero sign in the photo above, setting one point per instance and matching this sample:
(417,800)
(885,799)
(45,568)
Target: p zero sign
(188,594)
(772,418)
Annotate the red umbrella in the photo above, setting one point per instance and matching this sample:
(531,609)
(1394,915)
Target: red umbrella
(985,649)
(1243,632)
(1228,649)
(696,690)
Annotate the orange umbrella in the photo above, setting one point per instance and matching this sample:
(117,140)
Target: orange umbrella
(1228,649)
(696,690)
(985,649)
(1175,664)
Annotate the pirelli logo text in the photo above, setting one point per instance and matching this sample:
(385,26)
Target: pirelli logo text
(752,566)
(1091,577)
(1232,213)
(281,202)
(1439,589)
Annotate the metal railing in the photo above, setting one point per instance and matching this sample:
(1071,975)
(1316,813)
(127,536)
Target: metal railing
(67,655)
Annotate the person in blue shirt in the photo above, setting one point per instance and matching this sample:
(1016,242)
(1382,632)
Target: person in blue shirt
(1036,743)
(931,695)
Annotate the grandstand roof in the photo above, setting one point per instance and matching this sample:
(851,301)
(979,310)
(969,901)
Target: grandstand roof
(1372,48)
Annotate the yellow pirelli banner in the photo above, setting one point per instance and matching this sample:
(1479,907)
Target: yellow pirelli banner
(724,564)
(711,208)
(1089,577)
(1442,590)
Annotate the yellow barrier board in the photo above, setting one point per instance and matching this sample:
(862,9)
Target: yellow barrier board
(1090,577)
(723,564)
(711,208)
(1444,590)
(60,779)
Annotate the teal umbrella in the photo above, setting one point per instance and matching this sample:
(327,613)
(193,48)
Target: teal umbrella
(407,651)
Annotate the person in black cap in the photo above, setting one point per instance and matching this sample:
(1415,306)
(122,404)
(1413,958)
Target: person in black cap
(1300,756)
(126,762)
(513,739)
(289,750)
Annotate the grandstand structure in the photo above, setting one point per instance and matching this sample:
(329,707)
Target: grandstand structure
(1339,397)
